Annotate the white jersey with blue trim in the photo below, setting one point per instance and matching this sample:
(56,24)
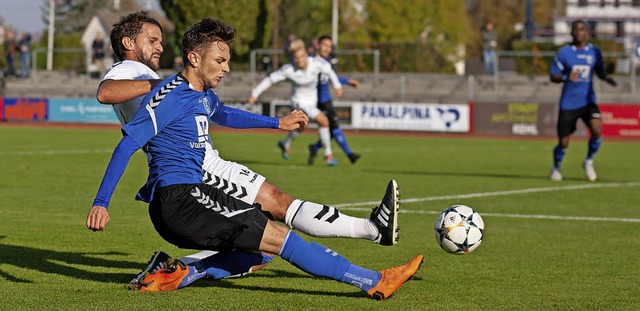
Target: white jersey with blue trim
(129,70)
(304,82)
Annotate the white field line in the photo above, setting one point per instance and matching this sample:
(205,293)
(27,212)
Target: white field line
(52,152)
(352,206)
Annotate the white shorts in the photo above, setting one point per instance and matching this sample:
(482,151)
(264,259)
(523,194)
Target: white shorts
(234,179)
(311,110)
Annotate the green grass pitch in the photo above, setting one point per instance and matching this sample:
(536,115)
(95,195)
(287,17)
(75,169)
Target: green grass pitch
(571,245)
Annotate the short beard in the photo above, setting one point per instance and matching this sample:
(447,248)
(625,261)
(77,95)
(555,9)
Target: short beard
(149,62)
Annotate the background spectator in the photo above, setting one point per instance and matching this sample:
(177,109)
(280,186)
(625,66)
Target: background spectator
(290,38)
(98,53)
(10,51)
(313,47)
(24,48)
(489,44)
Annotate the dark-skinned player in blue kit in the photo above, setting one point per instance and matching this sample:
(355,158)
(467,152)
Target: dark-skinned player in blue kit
(574,66)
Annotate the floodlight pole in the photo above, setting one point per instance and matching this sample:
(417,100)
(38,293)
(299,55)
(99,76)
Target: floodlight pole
(334,23)
(52,18)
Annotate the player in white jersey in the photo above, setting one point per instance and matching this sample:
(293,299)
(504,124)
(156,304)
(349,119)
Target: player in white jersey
(303,73)
(137,38)
(127,70)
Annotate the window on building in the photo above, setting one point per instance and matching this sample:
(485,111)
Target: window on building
(592,26)
(619,29)
(584,2)
(635,2)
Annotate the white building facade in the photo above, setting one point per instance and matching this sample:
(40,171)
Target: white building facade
(608,19)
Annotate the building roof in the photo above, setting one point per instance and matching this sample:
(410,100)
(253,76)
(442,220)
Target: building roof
(108,17)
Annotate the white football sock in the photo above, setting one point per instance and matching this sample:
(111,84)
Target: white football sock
(325,137)
(291,136)
(326,221)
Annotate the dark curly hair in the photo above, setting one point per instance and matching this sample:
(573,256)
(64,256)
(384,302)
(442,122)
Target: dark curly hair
(129,26)
(202,34)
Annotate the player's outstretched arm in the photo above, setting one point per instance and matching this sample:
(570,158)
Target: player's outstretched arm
(295,120)
(119,91)
(98,218)
(610,81)
(266,83)
(556,78)
(600,70)
(353,83)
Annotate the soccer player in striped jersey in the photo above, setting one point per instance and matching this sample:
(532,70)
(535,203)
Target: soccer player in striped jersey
(325,104)
(303,73)
(574,66)
(172,125)
(136,40)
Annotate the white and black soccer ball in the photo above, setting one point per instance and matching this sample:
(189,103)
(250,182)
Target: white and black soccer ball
(459,229)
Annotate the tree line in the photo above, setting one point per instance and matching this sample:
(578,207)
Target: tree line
(411,35)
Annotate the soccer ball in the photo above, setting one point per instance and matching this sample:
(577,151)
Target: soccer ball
(459,229)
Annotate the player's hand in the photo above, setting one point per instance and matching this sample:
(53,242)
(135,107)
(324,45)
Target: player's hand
(295,120)
(354,83)
(611,81)
(574,76)
(97,218)
(339,92)
(251,100)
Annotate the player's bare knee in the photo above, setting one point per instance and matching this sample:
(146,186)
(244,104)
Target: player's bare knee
(273,238)
(322,120)
(274,201)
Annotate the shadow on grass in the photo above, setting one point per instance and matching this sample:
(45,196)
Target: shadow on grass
(266,273)
(58,262)
(229,284)
(471,174)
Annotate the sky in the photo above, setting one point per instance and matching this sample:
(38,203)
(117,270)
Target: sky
(26,15)
(23,15)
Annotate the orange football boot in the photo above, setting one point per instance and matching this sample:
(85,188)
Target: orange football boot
(393,278)
(165,279)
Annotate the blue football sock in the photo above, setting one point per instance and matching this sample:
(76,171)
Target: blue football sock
(223,264)
(192,276)
(558,155)
(594,145)
(318,260)
(360,277)
(317,146)
(341,140)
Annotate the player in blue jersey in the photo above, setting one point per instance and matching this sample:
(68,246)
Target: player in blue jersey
(172,125)
(574,66)
(325,104)
(136,40)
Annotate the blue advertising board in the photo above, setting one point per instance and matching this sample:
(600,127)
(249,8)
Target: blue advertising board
(83,110)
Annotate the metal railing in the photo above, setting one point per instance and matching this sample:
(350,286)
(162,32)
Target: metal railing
(35,52)
(374,52)
(630,55)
